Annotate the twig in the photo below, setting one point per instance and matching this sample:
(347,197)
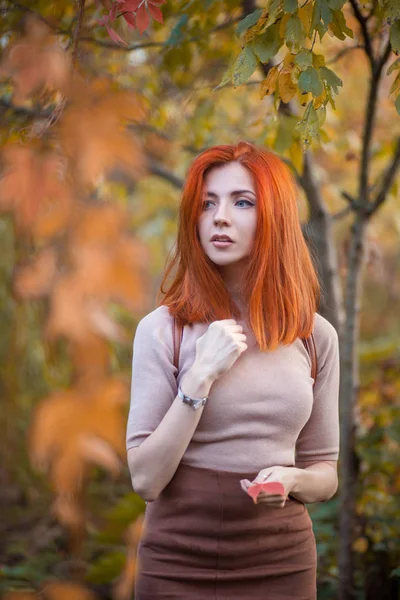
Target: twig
(343,52)
(387,181)
(77,30)
(367,39)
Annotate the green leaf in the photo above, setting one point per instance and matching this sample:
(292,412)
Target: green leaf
(304,59)
(308,127)
(310,81)
(290,6)
(248,21)
(106,568)
(284,134)
(294,34)
(267,44)
(177,34)
(339,26)
(226,78)
(322,16)
(244,66)
(273,11)
(397,104)
(395,36)
(393,67)
(336,4)
(392,9)
(331,79)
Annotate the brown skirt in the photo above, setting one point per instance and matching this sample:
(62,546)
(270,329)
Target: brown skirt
(205,539)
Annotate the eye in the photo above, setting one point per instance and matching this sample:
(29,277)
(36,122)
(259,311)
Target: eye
(205,202)
(245,200)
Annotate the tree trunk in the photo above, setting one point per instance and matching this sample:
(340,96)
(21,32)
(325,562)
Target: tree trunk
(318,232)
(349,386)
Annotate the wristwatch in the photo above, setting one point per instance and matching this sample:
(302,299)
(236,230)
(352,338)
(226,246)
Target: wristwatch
(193,402)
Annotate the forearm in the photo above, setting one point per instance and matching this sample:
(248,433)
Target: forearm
(316,483)
(153,464)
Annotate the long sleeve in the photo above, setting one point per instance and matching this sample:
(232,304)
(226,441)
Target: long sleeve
(319,438)
(153,383)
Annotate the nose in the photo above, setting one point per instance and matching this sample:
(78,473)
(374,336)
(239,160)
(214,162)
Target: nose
(221,214)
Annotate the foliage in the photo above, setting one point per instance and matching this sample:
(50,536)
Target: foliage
(90,171)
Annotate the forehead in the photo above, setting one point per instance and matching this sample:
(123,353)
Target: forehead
(229,177)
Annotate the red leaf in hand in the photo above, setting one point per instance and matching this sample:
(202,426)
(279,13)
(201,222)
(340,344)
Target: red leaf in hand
(272,488)
(155,13)
(142,18)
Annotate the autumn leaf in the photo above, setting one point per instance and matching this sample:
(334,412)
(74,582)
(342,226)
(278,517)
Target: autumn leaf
(35,62)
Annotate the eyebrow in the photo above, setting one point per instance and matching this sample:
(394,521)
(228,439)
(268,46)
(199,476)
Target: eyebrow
(234,193)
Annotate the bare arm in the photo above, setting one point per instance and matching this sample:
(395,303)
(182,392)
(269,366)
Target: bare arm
(153,463)
(317,482)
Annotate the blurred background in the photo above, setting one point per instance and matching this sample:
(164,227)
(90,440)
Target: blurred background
(103,105)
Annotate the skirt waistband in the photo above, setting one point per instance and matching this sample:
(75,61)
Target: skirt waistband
(199,478)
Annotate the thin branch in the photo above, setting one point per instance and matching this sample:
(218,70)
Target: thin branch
(162,172)
(385,56)
(342,213)
(343,52)
(77,30)
(112,46)
(367,39)
(350,199)
(387,181)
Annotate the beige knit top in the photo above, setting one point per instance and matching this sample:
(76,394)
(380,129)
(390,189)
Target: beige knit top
(260,413)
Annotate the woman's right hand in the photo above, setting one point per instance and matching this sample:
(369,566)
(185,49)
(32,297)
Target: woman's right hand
(220,346)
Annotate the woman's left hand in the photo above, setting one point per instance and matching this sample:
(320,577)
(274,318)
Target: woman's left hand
(283,475)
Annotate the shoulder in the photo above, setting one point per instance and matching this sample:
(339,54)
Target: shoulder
(325,336)
(156,320)
(156,325)
(154,335)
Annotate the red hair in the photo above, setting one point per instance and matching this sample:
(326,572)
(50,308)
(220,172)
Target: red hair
(280,283)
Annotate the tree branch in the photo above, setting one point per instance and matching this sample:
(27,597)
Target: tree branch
(350,199)
(343,52)
(367,39)
(387,181)
(111,45)
(160,171)
(77,30)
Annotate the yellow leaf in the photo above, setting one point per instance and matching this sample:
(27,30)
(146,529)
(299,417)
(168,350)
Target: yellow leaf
(296,156)
(287,89)
(269,84)
(282,27)
(304,99)
(305,14)
(288,63)
(320,100)
(318,61)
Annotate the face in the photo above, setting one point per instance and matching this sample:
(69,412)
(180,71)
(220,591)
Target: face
(229,209)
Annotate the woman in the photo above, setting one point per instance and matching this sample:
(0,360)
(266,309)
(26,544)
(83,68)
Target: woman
(246,304)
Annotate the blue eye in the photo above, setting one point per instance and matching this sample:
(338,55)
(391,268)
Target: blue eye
(245,200)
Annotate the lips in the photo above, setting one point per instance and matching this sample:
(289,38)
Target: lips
(221,238)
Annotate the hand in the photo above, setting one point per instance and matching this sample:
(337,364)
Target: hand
(284,475)
(220,346)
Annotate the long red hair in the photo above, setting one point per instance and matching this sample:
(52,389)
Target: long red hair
(280,283)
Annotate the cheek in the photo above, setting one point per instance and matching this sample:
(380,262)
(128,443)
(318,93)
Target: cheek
(201,231)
